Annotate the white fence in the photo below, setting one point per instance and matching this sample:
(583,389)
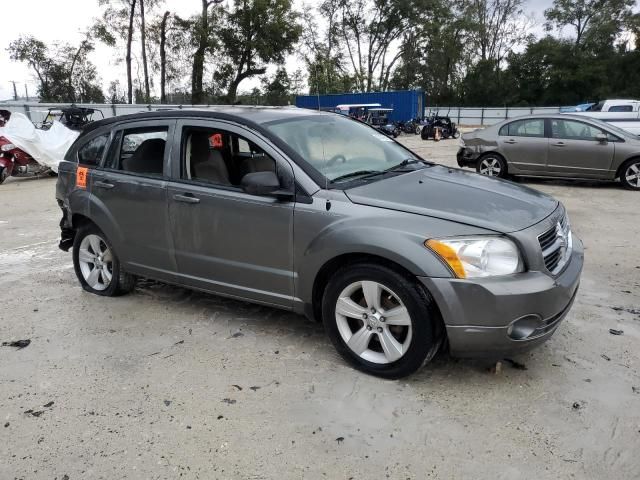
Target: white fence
(486,116)
(462,116)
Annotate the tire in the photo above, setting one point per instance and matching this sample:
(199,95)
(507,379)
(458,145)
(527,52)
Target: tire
(87,240)
(3,175)
(418,129)
(410,343)
(630,174)
(492,165)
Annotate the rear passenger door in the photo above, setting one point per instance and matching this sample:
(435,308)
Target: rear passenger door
(574,149)
(129,195)
(524,145)
(228,241)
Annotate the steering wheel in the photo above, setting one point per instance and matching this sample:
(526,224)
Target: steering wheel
(335,158)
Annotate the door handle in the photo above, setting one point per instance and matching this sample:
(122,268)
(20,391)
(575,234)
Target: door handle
(559,144)
(186,198)
(102,184)
(510,142)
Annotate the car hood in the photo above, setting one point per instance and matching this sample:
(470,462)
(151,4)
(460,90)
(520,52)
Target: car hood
(460,196)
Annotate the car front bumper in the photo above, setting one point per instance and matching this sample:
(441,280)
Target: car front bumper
(466,157)
(484,317)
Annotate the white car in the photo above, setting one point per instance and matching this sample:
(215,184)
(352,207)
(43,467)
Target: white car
(624,114)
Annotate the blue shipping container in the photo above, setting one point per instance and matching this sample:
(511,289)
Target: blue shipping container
(406,104)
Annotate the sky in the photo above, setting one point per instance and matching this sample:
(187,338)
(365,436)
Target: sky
(64,20)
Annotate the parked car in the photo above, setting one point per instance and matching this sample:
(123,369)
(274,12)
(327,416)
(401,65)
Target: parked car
(323,215)
(624,114)
(560,145)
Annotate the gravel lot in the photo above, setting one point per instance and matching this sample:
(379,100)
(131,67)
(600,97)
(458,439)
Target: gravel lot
(168,383)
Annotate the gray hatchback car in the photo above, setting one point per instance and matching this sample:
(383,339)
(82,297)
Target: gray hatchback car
(561,145)
(325,216)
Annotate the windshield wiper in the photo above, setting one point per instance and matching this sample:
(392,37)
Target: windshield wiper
(356,174)
(373,173)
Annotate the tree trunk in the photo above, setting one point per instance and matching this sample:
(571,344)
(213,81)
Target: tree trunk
(163,57)
(233,86)
(197,94)
(143,41)
(128,58)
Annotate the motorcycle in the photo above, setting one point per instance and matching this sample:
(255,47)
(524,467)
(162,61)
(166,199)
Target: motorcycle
(408,126)
(14,161)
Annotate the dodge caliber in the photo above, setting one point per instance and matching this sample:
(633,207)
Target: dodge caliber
(322,215)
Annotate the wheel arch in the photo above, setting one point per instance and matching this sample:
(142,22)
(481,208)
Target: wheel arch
(624,164)
(331,266)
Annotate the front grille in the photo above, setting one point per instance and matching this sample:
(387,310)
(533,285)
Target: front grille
(556,245)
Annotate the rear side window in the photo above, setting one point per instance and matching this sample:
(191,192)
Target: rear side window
(139,151)
(523,128)
(621,108)
(91,152)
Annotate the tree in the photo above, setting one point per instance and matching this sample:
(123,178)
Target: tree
(593,21)
(277,90)
(163,56)
(203,33)
(252,35)
(117,22)
(143,42)
(64,72)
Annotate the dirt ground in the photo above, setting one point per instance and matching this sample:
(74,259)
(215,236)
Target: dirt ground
(168,383)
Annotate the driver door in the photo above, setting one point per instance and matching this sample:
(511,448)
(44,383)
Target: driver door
(228,241)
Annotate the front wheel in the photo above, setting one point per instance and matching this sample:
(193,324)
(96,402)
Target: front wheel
(4,174)
(630,176)
(492,166)
(380,321)
(96,264)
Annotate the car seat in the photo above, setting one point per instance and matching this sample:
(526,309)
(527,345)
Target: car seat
(206,163)
(148,157)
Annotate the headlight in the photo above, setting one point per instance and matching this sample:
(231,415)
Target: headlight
(476,257)
(7,146)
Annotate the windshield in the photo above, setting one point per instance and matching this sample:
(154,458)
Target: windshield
(339,147)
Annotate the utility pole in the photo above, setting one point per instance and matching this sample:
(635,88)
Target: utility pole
(15,90)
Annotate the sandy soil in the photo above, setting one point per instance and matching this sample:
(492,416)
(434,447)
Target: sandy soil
(168,383)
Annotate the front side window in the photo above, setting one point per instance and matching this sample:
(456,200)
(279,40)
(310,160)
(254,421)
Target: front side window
(524,128)
(220,157)
(338,146)
(573,130)
(91,152)
(141,150)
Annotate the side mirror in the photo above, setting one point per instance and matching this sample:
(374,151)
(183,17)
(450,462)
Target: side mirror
(263,183)
(602,138)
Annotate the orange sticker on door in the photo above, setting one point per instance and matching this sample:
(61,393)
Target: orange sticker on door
(81,177)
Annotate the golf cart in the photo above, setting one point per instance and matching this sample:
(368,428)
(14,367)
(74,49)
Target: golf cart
(378,118)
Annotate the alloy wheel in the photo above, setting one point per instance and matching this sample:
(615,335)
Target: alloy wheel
(632,175)
(373,322)
(96,262)
(490,166)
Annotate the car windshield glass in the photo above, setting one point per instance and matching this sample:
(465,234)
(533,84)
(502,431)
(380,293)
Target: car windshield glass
(340,148)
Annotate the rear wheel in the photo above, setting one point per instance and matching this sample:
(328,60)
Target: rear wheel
(380,321)
(3,175)
(630,176)
(492,166)
(96,264)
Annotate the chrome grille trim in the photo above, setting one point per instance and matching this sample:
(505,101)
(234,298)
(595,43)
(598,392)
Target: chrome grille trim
(556,245)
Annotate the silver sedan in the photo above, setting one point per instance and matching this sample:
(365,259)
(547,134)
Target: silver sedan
(560,145)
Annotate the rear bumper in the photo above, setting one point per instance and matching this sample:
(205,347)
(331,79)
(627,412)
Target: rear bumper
(485,317)
(466,157)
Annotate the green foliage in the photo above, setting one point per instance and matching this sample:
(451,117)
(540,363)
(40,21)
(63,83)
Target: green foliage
(64,73)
